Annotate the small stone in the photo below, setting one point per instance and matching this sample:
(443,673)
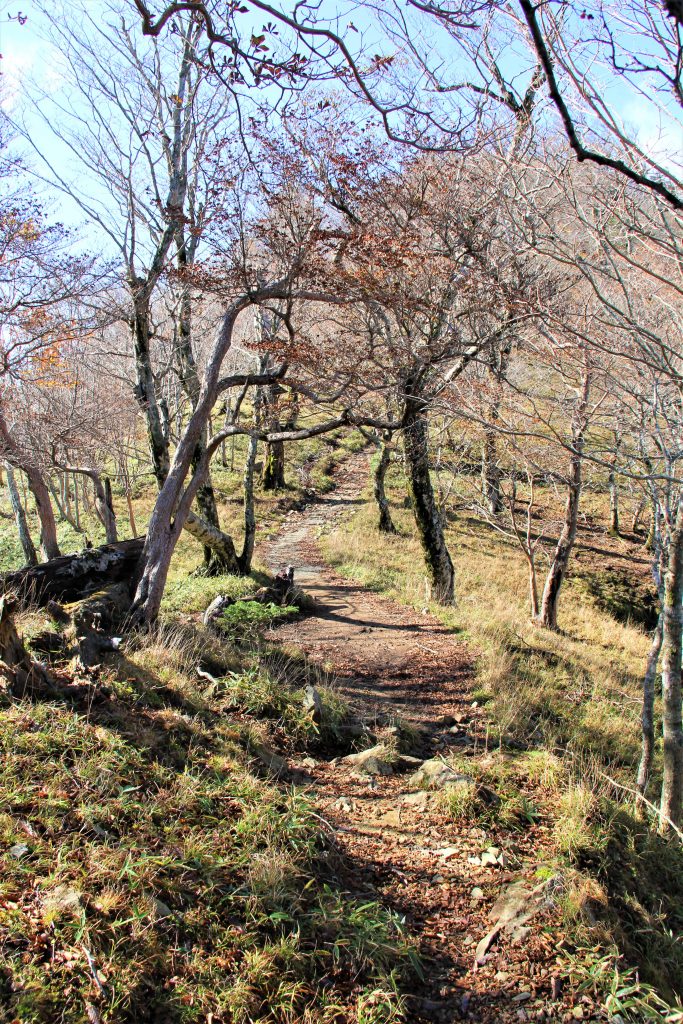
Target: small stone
(437,774)
(437,879)
(522,997)
(447,852)
(474,860)
(375,766)
(477,893)
(18,851)
(268,758)
(418,800)
(313,703)
(488,860)
(501,976)
(309,762)
(407,761)
(372,761)
(162,909)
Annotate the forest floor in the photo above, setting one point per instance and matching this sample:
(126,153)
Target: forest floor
(401,842)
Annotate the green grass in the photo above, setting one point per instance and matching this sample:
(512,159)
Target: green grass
(150,875)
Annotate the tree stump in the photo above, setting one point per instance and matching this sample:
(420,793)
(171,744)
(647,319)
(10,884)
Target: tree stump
(19,674)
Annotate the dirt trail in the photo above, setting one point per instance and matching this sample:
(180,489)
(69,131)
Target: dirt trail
(390,660)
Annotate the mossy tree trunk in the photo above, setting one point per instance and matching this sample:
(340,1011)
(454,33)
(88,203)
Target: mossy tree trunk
(385,523)
(427,514)
(672,780)
(490,473)
(647,717)
(273,478)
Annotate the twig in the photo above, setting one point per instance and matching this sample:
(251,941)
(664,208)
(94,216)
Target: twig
(93,969)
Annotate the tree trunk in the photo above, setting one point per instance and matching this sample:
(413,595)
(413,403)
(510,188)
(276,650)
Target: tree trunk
(48,526)
(20,518)
(613,505)
(77,510)
(247,554)
(635,522)
(145,390)
(219,555)
(533,584)
(273,478)
(38,488)
(62,502)
(647,717)
(565,544)
(221,544)
(563,550)
(103,500)
(131,512)
(672,781)
(167,518)
(385,523)
(106,504)
(427,515)
(490,473)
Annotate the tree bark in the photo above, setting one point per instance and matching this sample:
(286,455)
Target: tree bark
(385,523)
(613,505)
(490,473)
(145,389)
(647,717)
(672,780)
(427,515)
(219,543)
(48,526)
(20,518)
(565,543)
(245,558)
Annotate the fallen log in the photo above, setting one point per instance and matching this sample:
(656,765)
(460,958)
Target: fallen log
(72,577)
